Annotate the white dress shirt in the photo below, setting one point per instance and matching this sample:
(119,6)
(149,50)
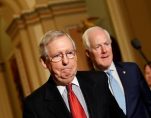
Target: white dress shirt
(77,91)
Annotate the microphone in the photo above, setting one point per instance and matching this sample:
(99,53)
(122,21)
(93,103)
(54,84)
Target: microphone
(137,45)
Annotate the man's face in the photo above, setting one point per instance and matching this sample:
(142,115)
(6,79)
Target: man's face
(100,51)
(64,70)
(148,75)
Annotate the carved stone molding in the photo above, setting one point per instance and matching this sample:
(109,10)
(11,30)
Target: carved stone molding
(45,12)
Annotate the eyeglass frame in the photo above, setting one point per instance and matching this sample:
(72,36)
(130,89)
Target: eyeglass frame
(61,54)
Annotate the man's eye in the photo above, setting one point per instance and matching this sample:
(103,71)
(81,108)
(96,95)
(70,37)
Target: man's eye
(97,46)
(106,43)
(71,52)
(57,55)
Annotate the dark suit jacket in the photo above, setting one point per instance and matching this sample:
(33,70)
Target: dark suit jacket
(137,93)
(46,102)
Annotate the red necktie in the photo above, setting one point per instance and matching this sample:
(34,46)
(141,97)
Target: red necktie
(76,109)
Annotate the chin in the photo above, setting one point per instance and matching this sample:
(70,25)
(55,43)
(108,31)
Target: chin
(63,82)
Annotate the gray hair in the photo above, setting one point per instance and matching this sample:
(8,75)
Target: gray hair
(85,36)
(49,37)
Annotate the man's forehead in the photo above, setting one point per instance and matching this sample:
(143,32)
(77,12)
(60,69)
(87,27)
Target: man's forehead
(99,40)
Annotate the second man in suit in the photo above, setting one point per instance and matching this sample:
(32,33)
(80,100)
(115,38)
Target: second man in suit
(125,82)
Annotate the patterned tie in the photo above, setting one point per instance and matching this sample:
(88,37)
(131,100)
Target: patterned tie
(117,92)
(77,110)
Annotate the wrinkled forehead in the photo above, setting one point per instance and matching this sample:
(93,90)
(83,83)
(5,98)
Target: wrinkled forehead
(98,38)
(98,32)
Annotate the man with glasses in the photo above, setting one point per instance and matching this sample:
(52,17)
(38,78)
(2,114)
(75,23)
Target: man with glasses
(68,93)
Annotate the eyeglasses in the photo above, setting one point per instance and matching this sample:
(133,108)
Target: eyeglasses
(58,57)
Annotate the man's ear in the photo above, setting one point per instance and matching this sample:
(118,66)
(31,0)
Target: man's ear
(43,63)
(87,53)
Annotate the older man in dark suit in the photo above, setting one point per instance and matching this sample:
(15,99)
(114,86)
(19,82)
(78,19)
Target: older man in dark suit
(56,98)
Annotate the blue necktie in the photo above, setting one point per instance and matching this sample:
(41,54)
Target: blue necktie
(117,92)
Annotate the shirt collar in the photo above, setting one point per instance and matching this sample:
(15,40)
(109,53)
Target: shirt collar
(112,67)
(62,88)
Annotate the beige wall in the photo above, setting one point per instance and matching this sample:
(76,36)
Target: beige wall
(4,99)
(98,8)
(5,41)
(140,17)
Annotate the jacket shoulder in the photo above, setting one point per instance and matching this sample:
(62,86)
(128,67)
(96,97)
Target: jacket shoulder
(92,76)
(126,64)
(91,73)
(36,95)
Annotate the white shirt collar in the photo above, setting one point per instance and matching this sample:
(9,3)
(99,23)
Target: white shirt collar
(112,67)
(62,88)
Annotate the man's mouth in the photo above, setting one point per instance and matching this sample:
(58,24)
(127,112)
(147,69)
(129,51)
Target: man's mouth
(106,56)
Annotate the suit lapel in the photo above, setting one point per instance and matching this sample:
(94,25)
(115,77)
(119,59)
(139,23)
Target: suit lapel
(55,102)
(122,74)
(124,77)
(87,89)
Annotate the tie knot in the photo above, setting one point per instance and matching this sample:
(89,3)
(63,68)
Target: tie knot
(109,72)
(110,75)
(69,87)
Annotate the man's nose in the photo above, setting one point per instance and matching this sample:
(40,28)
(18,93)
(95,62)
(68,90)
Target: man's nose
(103,49)
(65,59)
